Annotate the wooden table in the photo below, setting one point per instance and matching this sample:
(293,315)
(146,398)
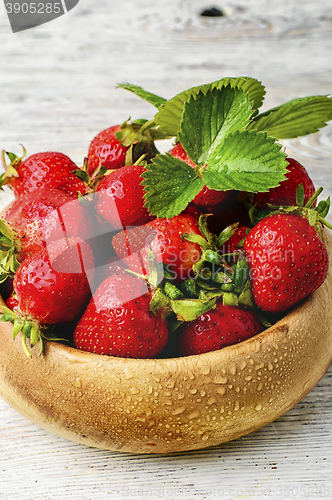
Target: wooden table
(57,90)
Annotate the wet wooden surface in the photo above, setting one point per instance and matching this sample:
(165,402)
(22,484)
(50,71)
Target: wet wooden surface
(57,90)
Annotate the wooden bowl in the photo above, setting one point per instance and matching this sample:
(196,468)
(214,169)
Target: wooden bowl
(171,405)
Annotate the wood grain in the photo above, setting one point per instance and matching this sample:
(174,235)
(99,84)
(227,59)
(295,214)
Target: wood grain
(57,90)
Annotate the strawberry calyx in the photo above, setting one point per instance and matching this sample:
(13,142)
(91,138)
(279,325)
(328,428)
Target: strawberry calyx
(214,275)
(30,328)
(11,167)
(316,215)
(91,181)
(9,249)
(213,279)
(174,303)
(139,136)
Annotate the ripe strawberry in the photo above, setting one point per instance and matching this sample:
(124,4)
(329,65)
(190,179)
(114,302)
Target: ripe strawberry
(106,148)
(207,200)
(165,238)
(42,170)
(119,199)
(117,321)
(52,286)
(288,261)
(218,328)
(12,302)
(37,218)
(178,152)
(114,266)
(285,193)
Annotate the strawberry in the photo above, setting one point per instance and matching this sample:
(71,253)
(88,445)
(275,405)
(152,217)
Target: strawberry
(51,288)
(288,261)
(165,236)
(113,266)
(107,150)
(42,170)
(118,322)
(119,198)
(220,327)
(37,218)
(52,285)
(178,152)
(285,193)
(123,144)
(12,302)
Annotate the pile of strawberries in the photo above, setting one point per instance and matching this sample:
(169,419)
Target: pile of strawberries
(90,251)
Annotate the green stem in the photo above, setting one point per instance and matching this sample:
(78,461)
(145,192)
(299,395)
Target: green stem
(25,347)
(147,124)
(313,198)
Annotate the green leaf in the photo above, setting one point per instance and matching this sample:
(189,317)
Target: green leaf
(153,99)
(241,276)
(300,195)
(82,175)
(226,234)
(17,327)
(170,184)
(214,294)
(295,118)
(158,301)
(205,284)
(209,118)
(9,247)
(170,113)
(7,317)
(246,161)
(196,238)
(189,288)
(190,309)
(323,207)
(212,257)
(246,298)
(172,291)
(230,299)
(221,277)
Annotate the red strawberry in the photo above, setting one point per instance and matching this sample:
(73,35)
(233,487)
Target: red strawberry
(52,286)
(119,199)
(43,170)
(12,302)
(178,152)
(285,193)
(288,261)
(218,328)
(106,148)
(44,216)
(208,200)
(114,266)
(165,238)
(117,321)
